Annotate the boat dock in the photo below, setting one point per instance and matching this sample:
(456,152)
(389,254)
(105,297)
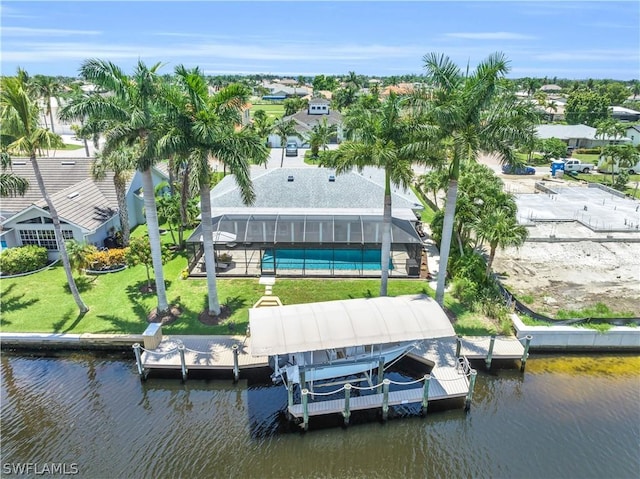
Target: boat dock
(447,351)
(212,353)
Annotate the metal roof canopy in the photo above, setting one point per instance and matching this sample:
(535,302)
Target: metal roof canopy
(352,322)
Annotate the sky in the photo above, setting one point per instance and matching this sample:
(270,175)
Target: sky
(563,39)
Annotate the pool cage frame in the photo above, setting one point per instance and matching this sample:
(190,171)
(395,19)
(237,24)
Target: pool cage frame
(244,239)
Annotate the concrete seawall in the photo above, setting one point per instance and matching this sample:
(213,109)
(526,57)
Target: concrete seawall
(68,341)
(573,338)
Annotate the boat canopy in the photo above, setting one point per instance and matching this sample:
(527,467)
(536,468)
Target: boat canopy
(353,322)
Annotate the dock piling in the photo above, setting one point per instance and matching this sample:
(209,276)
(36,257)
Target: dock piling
(472,382)
(525,355)
(492,343)
(458,345)
(385,398)
(425,394)
(380,375)
(305,409)
(236,367)
(141,371)
(183,363)
(347,396)
(290,394)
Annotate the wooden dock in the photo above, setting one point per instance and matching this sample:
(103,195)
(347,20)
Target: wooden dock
(213,353)
(445,383)
(442,352)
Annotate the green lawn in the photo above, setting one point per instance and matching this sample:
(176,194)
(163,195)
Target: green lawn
(41,302)
(68,146)
(273,110)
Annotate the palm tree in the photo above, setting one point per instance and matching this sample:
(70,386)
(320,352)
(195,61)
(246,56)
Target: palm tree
(122,162)
(320,136)
(19,115)
(11,184)
(46,88)
(382,137)
(131,111)
(205,127)
(609,128)
(284,129)
(499,227)
(262,124)
(473,116)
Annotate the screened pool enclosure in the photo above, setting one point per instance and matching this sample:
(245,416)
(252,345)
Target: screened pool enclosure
(306,245)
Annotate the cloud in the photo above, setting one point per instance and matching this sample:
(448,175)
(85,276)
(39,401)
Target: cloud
(590,56)
(490,36)
(43,32)
(53,51)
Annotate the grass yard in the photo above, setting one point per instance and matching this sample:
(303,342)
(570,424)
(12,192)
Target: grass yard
(41,302)
(273,110)
(69,146)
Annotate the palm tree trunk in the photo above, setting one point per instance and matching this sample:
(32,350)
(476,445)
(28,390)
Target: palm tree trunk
(51,118)
(154,239)
(282,157)
(120,185)
(492,255)
(445,242)
(209,252)
(59,239)
(386,238)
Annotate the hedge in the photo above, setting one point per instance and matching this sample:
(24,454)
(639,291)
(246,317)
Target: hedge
(23,259)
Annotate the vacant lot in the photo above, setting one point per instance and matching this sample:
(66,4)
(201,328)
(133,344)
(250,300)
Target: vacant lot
(568,275)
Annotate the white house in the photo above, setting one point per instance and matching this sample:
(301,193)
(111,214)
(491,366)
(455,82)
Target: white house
(577,136)
(305,120)
(633,133)
(87,208)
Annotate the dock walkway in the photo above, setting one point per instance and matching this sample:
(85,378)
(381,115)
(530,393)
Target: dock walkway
(442,352)
(445,383)
(213,353)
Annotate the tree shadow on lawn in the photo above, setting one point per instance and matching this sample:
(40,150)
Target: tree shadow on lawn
(123,326)
(11,303)
(58,325)
(227,308)
(83,283)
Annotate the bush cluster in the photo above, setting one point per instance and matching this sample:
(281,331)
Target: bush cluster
(23,259)
(587,151)
(103,260)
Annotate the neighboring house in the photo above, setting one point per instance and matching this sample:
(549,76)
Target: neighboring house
(576,136)
(88,209)
(283,91)
(551,88)
(623,114)
(633,133)
(305,120)
(311,218)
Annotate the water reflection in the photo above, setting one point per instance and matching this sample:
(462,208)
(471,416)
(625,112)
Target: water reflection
(564,417)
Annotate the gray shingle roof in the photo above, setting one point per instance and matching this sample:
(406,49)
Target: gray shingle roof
(311,189)
(83,204)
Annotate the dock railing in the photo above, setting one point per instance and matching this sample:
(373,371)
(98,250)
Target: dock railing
(373,401)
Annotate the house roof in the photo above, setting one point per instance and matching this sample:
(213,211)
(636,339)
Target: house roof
(621,109)
(83,204)
(566,132)
(311,189)
(57,173)
(333,118)
(550,87)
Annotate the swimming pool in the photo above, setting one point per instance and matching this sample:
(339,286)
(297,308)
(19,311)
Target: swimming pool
(323,259)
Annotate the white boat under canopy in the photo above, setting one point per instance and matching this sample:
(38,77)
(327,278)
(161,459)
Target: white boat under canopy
(296,328)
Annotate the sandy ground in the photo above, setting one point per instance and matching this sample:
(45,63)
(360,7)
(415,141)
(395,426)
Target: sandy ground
(568,275)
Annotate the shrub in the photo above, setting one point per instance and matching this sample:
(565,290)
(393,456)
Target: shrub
(587,151)
(23,259)
(102,260)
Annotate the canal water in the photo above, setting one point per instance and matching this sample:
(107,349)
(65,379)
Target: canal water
(564,417)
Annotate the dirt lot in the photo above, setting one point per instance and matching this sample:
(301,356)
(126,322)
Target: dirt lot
(569,275)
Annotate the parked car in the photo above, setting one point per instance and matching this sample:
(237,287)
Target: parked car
(518,170)
(292,149)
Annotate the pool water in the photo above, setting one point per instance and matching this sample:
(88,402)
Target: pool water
(323,259)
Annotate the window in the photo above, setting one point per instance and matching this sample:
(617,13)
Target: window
(44,238)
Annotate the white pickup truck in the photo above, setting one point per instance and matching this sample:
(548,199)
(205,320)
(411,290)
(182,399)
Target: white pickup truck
(571,164)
